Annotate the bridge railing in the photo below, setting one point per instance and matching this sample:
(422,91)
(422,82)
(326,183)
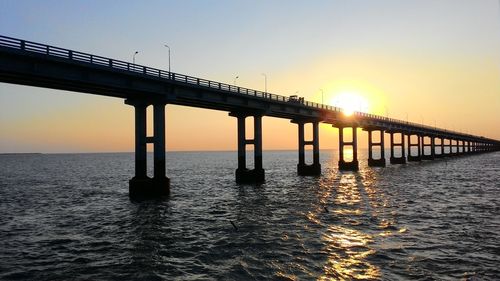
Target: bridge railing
(149,71)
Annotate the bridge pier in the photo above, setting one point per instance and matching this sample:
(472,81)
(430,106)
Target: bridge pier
(431,146)
(443,153)
(418,157)
(257,174)
(141,186)
(352,165)
(453,147)
(446,154)
(302,168)
(371,161)
(440,145)
(402,158)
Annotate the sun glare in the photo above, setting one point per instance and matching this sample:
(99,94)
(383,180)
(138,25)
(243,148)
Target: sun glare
(350,103)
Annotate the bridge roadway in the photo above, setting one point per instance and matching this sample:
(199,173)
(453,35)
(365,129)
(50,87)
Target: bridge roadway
(34,64)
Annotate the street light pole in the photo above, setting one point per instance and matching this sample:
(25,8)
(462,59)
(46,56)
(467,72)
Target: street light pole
(133,57)
(168,58)
(265,82)
(234,81)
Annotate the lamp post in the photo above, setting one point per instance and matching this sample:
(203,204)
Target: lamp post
(168,58)
(265,82)
(133,58)
(234,81)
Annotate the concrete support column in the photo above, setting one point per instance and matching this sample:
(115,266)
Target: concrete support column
(302,168)
(352,165)
(463,147)
(391,134)
(302,158)
(433,147)
(257,142)
(420,145)
(370,144)
(382,145)
(442,147)
(380,162)
(242,156)
(159,140)
(402,158)
(244,175)
(316,143)
(140,141)
(403,146)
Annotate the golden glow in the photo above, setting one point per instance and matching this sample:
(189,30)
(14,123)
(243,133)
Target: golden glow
(350,103)
(348,248)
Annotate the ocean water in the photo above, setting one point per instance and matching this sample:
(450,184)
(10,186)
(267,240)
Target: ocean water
(69,217)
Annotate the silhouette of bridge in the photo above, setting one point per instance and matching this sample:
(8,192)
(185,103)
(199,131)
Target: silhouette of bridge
(29,63)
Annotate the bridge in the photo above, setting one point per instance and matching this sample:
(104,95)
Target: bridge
(34,64)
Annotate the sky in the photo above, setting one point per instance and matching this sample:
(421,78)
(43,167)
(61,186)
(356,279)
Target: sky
(435,62)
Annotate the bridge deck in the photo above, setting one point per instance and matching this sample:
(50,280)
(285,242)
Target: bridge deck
(34,64)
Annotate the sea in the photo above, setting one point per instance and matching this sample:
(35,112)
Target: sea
(69,217)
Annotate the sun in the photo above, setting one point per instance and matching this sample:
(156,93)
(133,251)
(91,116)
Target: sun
(350,103)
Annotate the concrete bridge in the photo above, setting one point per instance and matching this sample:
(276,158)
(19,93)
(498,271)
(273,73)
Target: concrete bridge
(29,63)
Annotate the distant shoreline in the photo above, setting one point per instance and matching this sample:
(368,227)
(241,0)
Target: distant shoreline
(21,153)
(174,151)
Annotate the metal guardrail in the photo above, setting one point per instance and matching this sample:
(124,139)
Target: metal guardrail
(53,51)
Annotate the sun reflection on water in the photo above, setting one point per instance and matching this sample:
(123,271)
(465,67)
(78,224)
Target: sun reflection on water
(353,218)
(348,248)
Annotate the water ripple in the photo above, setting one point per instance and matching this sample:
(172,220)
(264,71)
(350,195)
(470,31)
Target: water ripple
(69,216)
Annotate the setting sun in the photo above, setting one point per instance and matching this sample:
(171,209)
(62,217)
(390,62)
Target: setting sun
(350,103)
